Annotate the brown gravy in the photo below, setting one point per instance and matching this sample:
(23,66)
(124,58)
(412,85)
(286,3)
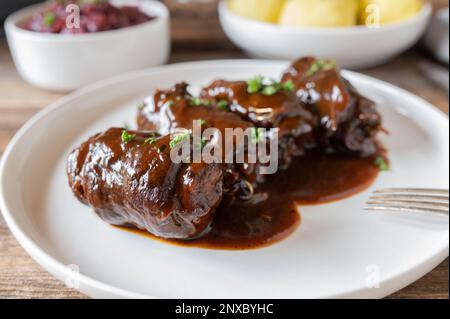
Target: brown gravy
(313,180)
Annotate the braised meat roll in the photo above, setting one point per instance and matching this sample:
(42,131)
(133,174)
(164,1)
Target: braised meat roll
(167,111)
(281,109)
(229,105)
(128,178)
(176,108)
(348,121)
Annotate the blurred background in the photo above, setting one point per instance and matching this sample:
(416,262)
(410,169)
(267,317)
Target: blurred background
(198,34)
(195,23)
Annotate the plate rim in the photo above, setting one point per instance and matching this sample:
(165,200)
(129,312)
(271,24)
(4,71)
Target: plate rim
(87,283)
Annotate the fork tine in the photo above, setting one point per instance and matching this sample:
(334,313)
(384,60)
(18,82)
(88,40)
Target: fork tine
(435,192)
(411,198)
(407,210)
(416,200)
(399,203)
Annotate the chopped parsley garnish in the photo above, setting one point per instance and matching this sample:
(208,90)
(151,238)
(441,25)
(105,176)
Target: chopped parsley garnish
(257,135)
(320,64)
(254,85)
(258,85)
(223,104)
(150,140)
(202,122)
(127,137)
(288,86)
(381,163)
(269,90)
(49,19)
(195,101)
(179,138)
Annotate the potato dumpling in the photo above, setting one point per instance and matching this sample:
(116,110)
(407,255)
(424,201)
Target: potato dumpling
(390,11)
(262,10)
(323,13)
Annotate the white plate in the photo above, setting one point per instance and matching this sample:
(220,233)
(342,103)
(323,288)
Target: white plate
(336,252)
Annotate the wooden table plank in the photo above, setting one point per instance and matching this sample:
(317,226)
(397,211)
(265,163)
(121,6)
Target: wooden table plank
(21,277)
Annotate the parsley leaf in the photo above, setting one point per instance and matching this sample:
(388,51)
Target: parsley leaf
(179,138)
(381,163)
(223,104)
(127,137)
(150,140)
(288,86)
(320,64)
(254,85)
(195,101)
(257,135)
(268,88)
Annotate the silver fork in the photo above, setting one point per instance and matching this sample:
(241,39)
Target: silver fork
(414,200)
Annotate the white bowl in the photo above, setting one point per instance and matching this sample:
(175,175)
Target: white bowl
(60,62)
(352,47)
(437,37)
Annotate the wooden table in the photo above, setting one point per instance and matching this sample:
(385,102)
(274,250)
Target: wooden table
(21,277)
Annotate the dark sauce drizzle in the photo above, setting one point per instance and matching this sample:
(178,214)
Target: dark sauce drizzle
(314,179)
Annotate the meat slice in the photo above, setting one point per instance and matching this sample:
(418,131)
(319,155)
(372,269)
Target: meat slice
(282,110)
(128,178)
(176,108)
(167,111)
(348,121)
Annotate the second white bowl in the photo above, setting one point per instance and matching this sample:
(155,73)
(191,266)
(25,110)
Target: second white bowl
(351,47)
(60,62)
